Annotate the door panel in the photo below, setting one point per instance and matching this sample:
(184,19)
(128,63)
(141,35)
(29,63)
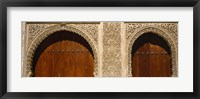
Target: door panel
(65,58)
(150,57)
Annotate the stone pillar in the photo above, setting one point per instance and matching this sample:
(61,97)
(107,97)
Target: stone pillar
(24,47)
(100,48)
(124,54)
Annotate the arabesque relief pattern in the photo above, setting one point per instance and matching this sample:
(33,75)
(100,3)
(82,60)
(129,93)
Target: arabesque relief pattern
(111,49)
(34,33)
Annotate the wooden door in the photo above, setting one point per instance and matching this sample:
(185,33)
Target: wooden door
(151,57)
(64,54)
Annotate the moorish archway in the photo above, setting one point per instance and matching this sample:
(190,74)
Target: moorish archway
(151,57)
(45,33)
(160,32)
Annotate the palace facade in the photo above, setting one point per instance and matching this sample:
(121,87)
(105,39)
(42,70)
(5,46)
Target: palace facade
(100,49)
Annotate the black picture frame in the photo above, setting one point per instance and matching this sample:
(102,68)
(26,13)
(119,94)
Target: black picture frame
(99,3)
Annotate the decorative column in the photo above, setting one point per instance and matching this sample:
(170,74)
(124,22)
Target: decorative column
(124,54)
(100,48)
(111,49)
(24,34)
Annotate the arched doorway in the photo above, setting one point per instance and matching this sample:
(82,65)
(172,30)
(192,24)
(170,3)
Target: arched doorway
(151,57)
(63,54)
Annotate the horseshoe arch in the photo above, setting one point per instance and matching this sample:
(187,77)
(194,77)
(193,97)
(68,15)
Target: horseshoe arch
(45,33)
(162,33)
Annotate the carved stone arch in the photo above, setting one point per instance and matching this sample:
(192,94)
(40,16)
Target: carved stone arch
(50,30)
(162,33)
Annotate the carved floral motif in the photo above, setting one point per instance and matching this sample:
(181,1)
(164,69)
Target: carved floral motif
(36,28)
(91,29)
(111,49)
(171,27)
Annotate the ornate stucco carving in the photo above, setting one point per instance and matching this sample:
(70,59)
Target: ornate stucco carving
(168,31)
(111,49)
(91,29)
(110,41)
(34,29)
(171,27)
(41,31)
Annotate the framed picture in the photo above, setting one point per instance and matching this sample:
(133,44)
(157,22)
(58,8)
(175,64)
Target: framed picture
(91,49)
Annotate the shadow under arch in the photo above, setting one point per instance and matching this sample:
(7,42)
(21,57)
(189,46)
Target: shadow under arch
(56,37)
(152,39)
